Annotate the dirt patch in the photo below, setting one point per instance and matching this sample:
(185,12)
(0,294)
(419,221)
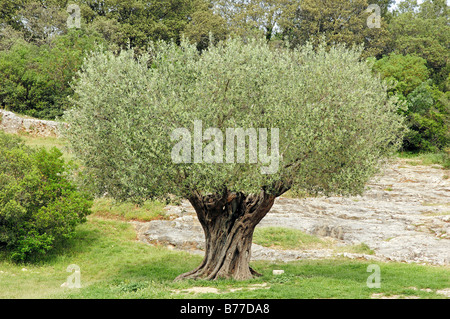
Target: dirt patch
(445,292)
(383,296)
(212,290)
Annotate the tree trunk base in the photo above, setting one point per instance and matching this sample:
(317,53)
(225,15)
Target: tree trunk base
(228,222)
(200,274)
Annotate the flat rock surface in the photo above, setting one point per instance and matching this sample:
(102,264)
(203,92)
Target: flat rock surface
(403,216)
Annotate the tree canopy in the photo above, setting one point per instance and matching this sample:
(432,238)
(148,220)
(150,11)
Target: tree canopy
(337,22)
(423,30)
(231,86)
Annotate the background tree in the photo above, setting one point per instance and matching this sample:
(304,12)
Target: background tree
(8,37)
(428,109)
(8,11)
(250,18)
(384,5)
(408,71)
(122,22)
(34,80)
(38,21)
(135,23)
(428,117)
(41,23)
(334,118)
(204,22)
(423,30)
(337,22)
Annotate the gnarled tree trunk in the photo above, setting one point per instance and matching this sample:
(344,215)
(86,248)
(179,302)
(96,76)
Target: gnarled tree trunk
(228,221)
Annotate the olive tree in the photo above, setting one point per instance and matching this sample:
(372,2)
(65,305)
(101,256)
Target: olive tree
(231,129)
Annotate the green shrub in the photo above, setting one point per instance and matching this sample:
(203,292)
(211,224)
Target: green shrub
(408,71)
(35,80)
(428,108)
(39,203)
(428,117)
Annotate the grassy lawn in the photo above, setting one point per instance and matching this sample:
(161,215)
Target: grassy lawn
(149,210)
(48,143)
(288,238)
(113,264)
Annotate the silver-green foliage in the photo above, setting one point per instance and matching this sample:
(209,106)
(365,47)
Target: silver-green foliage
(334,117)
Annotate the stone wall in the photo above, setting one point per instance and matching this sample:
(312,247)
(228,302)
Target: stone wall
(12,123)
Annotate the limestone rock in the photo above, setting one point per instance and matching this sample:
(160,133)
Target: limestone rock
(12,123)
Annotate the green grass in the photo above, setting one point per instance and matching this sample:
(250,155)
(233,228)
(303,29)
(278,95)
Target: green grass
(446,213)
(114,264)
(286,238)
(436,204)
(430,159)
(48,143)
(356,249)
(296,194)
(149,210)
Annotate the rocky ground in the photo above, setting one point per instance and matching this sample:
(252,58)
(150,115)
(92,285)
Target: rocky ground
(403,216)
(15,124)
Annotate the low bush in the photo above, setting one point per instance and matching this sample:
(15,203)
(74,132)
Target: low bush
(40,204)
